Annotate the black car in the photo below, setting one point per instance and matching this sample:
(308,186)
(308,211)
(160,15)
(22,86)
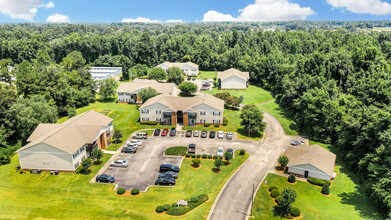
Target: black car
(212,134)
(131,150)
(156,132)
(204,134)
(172,132)
(191,149)
(168,167)
(189,133)
(229,150)
(105,179)
(165,181)
(168,174)
(188,78)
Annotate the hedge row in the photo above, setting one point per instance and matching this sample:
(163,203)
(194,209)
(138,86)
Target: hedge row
(192,203)
(176,151)
(318,182)
(148,122)
(204,156)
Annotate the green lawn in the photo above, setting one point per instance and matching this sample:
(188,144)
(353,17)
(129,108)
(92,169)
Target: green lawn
(207,75)
(70,196)
(252,95)
(274,109)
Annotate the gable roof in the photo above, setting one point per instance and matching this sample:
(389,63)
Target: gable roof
(71,134)
(176,103)
(170,64)
(137,85)
(314,154)
(233,72)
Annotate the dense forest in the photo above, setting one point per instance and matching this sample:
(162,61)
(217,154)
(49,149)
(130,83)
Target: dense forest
(332,78)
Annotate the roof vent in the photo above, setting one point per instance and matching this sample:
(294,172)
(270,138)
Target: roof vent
(302,158)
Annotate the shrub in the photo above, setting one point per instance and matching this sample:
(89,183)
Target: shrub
(216,125)
(220,157)
(179,210)
(193,199)
(275,193)
(176,151)
(242,152)
(198,156)
(204,156)
(225,122)
(135,191)
(279,200)
(206,125)
(196,162)
(318,182)
(193,156)
(120,191)
(79,170)
(325,189)
(272,188)
(291,179)
(194,202)
(174,204)
(148,122)
(159,209)
(215,157)
(166,207)
(209,156)
(188,155)
(295,212)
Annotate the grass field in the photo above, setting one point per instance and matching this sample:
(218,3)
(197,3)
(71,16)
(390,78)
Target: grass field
(252,95)
(207,75)
(71,196)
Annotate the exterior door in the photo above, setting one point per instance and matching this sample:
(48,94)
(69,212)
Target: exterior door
(306,174)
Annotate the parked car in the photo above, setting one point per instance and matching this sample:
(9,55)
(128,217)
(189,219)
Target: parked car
(135,142)
(220,134)
(141,135)
(129,144)
(191,148)
(189,133)
(168,174)
(156,132)
(193,78)
(131,150)
(229,150)
(119,163)
(204,134)
(212,134)
(296,143)
(229,135)
(220,152)
(165,181)
(165,132)
(188,78)
(172,132)
(168,167)
(196,133)
(105,179)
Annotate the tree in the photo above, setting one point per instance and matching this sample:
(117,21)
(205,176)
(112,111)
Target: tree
(283,160)
(228,156)
(157,73)
(117,135)
(287,197)
(73,61)
(147,93)
(175,75)
(7,98)
(107,88)
(5,73)
(252,119)
(218,163)
(196,162)
(229,100)
(187,88)
(97,154)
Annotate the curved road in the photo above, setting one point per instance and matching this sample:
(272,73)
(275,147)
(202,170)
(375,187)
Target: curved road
(234,199)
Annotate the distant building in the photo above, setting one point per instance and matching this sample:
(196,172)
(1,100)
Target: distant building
(127,91)
(189,111)
(310,161)
(233,79)
(101,73)
(189,68)
(64,146)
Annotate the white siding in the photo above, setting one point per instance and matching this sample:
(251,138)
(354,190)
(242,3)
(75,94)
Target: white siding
(152,114)
(189,71)
(45,157)
(233,82)
(123,96)
(208,117)
(312,171)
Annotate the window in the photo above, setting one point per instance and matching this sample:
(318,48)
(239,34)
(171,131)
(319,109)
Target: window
(216,121)
(158,112)
(158,119)
(77,165)
(202,113)
(120,93)
(216,113)
(83,158)
(145,119)
(76,154)
(144,111)
(81,150)
(202,121)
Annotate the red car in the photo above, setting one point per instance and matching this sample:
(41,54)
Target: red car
(165,132)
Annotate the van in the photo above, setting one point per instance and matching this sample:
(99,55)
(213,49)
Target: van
(140,135)
(167,167)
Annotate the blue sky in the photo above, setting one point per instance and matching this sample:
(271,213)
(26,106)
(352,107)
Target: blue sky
(185,10)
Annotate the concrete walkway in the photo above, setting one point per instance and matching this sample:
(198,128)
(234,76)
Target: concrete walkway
(234,200)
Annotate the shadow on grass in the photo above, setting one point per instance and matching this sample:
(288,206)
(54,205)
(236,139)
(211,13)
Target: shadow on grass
(108,100)
(244,133)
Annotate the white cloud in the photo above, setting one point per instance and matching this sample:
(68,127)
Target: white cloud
(375,7)
(174,21)
(22,9)
(140,19)
(58,18)
(264,10)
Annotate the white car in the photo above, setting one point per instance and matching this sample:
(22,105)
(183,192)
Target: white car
(135,142)
(196,133)
(220,152)
(220,134)
(119,163)
(129,144)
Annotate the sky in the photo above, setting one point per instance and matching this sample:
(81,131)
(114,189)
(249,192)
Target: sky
(108,11)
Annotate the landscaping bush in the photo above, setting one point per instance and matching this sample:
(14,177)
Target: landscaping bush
(135,191)
(176,151)
(204,156)
(148,122)
(198,156)
(159,209)
(278,200)
(295,212)
(318,182)
(194,203)
(193,199)
(174,204)
(179,210)
(216,125)
(275,193)
(166,207)
(225,122)
(79,170)
(206,125)
(196,162)
(271,188)
(120,191)
(193,156)
(242,152)
(188,155)
(220,157)
(291,179)
(215,156)
(326,189)
(209,156)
